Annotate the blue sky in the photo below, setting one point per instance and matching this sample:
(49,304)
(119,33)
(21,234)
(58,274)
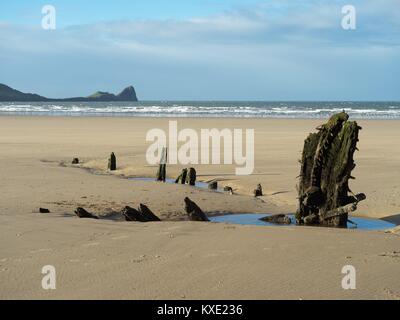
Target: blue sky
(204,49)
(90,11)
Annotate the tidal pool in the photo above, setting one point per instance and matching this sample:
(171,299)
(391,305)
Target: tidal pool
(254,219)
(199,184)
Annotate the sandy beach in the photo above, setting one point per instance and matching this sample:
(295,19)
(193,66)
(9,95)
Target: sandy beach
(178,259)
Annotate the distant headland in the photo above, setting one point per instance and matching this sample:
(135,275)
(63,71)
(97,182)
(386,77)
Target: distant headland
(10,94)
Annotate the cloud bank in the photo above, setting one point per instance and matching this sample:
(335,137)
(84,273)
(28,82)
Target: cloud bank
(278,50)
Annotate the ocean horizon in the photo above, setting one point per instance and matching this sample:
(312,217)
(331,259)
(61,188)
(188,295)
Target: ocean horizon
(236,109)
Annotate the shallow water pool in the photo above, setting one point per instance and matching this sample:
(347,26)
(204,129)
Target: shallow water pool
(254,219)
(199,184)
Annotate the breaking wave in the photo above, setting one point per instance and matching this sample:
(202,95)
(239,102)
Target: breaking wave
(301,110)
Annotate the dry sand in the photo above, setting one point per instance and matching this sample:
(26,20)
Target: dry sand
(180,259)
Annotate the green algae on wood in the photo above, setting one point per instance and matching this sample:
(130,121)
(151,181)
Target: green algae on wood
(326,165)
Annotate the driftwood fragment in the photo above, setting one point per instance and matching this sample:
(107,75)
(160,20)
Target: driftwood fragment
(228,189)
(326,165)
(82,213)
(340,211)
(359,197)
(112,162)
(258,191)
(191,177)
(278,219)
(213,185)
(194,212)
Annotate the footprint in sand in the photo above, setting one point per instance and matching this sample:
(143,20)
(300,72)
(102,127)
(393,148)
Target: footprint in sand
(211,255)
(141,258)
(393,254)
(391,294)
(173,228)
(93,244)
(40,250)
(229,227)
(119,237)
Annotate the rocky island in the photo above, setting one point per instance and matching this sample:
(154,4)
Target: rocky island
(10,94)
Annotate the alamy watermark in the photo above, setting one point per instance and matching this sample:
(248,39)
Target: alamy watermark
(349,280)
(49,17)
(349,20)
(195,147)
(49,280)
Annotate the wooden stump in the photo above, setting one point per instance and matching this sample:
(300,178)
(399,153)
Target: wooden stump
(162,168)
(112,162)
(194,212)
(162,172)
(182,177)
(258,192)
(326,165)
(191,177)
(132,214)
(147,214)
(144,214)
(228,189)
(213,185)
(82,213)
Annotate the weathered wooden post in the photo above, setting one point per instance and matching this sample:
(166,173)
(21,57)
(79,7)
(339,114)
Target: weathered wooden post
(228,189)
(326,165)
(147,214)
(131,214)
(191,177)
(82,213)
(182,177)
(112,162)
(162,168)
(258,192)
(194,212)
(213,185)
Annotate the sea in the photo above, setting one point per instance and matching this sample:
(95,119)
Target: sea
(235,109)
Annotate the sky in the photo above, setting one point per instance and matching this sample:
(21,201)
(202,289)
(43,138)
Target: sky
(204,49)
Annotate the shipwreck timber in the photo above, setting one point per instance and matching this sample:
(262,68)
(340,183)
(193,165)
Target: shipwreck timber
(326,165)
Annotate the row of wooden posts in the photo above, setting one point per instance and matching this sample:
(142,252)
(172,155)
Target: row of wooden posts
(112,162)
(193,211)
(187,176)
